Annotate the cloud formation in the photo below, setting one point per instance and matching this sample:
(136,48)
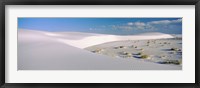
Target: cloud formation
(136,23)
(165,21)
(152,25)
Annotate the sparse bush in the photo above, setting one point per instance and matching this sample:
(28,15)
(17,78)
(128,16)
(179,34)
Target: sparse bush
(116,47)
(126,54)
(162,56)
(121,46)
(174,49)
(144,56)
(129,54)
(140,53)
(176,62)
(97,50)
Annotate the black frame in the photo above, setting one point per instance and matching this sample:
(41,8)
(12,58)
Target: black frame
(97,2)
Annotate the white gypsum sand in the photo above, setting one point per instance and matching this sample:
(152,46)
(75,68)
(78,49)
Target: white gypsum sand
(40,50)
(161,51)
(99,39)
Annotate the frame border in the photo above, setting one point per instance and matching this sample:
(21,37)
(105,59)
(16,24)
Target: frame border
(3,3)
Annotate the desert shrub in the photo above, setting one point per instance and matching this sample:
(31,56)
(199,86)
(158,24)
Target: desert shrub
(97,50)
(121,46)
(125,54)
(116,47)
(140,53)
(176,62)
(129,54)
(162,56)
(174,49)
(144,56)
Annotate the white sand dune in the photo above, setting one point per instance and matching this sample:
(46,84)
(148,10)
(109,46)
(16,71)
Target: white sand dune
(39,50)
(83,40)
(96,39)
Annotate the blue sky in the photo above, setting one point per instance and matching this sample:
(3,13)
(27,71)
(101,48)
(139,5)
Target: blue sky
(124,26)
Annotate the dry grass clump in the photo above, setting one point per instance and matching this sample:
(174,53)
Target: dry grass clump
(129,54)
(97,50)
(176,62)
(126,54)
(174,49)
(116,47)
(144,56)
(120,47)
(140,53)
(162,56)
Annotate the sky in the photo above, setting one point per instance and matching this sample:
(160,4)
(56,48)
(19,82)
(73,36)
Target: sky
(118,26)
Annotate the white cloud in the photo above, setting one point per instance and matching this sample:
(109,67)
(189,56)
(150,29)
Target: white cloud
(124,27)
(130,23)
(152,25)
(136,24)
(177,21)
(139,24)
(165,21)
